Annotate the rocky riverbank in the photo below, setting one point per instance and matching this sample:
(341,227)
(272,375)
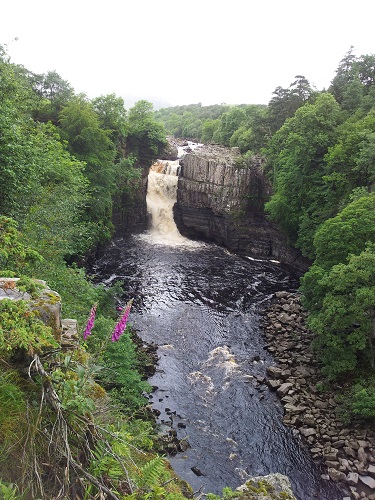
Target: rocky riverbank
(347,451)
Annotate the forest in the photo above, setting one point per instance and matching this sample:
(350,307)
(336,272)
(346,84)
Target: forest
(67,163)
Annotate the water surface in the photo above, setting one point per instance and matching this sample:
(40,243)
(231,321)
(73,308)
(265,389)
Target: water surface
(200,304)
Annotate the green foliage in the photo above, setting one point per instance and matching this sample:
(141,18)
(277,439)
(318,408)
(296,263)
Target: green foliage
(9,492)
(13,410)
(112,116)
(146,138)
(296,153)
(121,376)
(54,92)
(20,329)
(343,314)
(73,385)
(347,233)
(13,253)
(362,400)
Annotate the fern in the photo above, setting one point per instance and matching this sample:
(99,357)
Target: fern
(152,473)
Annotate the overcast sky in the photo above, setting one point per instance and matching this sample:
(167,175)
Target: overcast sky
(183,52)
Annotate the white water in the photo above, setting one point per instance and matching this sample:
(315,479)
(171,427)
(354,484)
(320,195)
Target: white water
(161,196)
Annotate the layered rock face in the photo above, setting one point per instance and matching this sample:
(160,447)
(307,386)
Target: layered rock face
(220,200)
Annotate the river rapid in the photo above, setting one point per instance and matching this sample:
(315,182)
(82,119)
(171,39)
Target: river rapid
(200,304)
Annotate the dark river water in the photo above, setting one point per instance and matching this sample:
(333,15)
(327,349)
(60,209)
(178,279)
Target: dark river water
(200,305)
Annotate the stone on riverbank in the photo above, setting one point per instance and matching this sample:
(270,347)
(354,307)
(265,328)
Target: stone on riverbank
(348,451)
(274,486)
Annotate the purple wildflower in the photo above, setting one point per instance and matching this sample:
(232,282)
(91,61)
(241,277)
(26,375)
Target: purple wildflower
(121,324)
(90,322)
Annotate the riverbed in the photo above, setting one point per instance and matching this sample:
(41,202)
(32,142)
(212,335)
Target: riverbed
(200,304)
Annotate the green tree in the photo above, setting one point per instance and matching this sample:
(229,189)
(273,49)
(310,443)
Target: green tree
(346,233)
(345,323)
(285,102)
(209,128)
(90,143)
(113,117)
(296,155)
(229,123)
(146,138)
(54,93)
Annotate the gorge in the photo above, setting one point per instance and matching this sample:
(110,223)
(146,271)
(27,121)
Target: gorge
(200,304)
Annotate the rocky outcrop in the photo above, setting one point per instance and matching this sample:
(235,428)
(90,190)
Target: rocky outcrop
(47,305)
(348,450)
(130,208)
(221,200)
(170,151)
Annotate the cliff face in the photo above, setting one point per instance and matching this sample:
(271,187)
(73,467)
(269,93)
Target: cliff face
(219,200)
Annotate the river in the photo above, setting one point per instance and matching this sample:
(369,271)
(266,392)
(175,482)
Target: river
(200,304)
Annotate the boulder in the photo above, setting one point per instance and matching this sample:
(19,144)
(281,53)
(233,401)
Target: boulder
(336,475)
(368,481)
(371,470)
(284,389)
(275,484)
(352,478)
(170,151)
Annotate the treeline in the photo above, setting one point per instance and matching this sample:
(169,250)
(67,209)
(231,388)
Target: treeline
(70,421)
(319,151)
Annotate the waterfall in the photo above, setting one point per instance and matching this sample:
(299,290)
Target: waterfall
(161,196)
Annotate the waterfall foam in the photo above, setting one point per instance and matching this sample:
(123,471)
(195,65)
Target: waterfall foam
(161,196)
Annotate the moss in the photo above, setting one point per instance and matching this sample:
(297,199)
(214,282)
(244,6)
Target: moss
(263,487)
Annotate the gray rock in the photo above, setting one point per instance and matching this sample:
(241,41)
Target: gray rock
(352,478)
(278,482)
(274,371)
(349,451)
(336,475)
(284,389)
(170,151)
(289,408)
(368,481)
(371,470)
(361,454)
(308,432)
(273,384)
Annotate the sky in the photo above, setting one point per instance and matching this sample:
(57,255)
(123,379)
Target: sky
(175,52)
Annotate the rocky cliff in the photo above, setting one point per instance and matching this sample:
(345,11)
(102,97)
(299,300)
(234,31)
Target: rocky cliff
(221,199)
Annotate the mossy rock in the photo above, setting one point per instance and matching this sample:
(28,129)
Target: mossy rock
(272,487)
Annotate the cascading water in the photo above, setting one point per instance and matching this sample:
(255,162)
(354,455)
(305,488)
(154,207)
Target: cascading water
(200,304)
(161,196)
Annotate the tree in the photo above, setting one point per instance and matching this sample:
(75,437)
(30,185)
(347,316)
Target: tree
(91,144)
(347,233)
(54,93)
(296,154)
(285,102)
(345,323)
(229,123)
(113,117)
(339,288)
(146,138)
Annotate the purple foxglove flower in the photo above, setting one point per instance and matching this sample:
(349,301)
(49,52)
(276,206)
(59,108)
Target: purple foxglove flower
(121,324)
(90,322)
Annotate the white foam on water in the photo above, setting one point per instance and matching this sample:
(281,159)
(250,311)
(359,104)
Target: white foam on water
(161,196)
